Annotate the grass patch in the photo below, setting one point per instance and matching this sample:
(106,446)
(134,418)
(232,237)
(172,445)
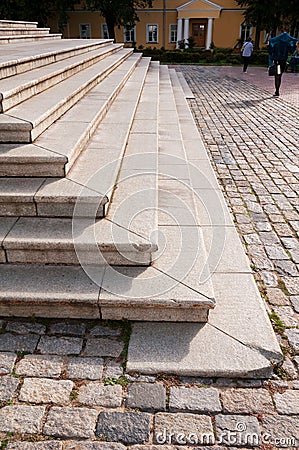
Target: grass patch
(277,323)
(111,381)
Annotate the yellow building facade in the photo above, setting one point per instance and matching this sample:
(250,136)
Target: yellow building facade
(169,23)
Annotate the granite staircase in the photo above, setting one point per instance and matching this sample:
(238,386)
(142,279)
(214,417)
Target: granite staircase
(20,31)
(110,209)
(84,130)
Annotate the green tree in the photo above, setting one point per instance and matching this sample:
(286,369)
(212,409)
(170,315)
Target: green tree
(281,13)
(290,15)
(118,12)
(36,10)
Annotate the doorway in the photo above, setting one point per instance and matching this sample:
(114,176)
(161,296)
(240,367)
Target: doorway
(198,30)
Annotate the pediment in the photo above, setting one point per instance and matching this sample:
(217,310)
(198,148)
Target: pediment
(199,6)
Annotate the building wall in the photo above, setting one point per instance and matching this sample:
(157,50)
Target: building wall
(225,28)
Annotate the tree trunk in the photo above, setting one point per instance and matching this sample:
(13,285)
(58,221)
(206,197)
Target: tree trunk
(257,36)
(110,24)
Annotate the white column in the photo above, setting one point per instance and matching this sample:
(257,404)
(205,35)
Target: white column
(209,34)
(179,32)
(186,31)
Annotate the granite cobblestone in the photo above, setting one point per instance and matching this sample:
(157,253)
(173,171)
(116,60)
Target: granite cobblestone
(40,366)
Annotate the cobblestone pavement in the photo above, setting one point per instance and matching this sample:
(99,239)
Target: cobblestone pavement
(62,383)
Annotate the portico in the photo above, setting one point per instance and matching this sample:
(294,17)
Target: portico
(195,18)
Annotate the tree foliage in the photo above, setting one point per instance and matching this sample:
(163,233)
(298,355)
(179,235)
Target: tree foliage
(118,12)
(36,10)
(280,14)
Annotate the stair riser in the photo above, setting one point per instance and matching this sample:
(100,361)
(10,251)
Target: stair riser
(16,169)
(24,32)
(33,63)
(155,314)
(56,209)
(65,256)
(18,135)
(45,209)
(14,40)
(8,135)
(14,209)
(26,92)
(17,24)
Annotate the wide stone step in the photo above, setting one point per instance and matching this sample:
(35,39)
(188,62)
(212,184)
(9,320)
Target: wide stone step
(28,38)
(97,168)
(16,31)
(25,122)
(18,24)
(21,57)
(18,88)
(31,197)
(48,157)
(60,241)
(67,291)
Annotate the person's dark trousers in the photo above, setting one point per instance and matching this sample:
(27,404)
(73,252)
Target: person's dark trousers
(245,62)
(280,68)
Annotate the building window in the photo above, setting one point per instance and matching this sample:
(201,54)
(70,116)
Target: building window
(246,31)
(105,33)
(84,29)
(173,32)
(151,33)
(129,33)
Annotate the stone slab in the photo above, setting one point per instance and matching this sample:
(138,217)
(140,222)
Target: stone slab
(242,315)
(30,160)
(57,198)
(150,294)
(181,348)
(63,240)
(45,288)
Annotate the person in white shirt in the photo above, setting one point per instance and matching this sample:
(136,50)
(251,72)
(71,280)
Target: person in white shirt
(247,50)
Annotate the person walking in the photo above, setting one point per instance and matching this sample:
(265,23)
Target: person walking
(279,48)
(247,50)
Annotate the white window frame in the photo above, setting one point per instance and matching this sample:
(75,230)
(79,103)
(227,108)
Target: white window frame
(84,30)
(173,33)
(245,31)
(148,33)
(105,32)
(131,29)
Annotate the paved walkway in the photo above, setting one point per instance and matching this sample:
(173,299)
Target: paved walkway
(62,382)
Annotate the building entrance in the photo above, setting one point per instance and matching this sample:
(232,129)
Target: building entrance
(198,32)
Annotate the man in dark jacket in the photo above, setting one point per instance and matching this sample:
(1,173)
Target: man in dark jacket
(279,48)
